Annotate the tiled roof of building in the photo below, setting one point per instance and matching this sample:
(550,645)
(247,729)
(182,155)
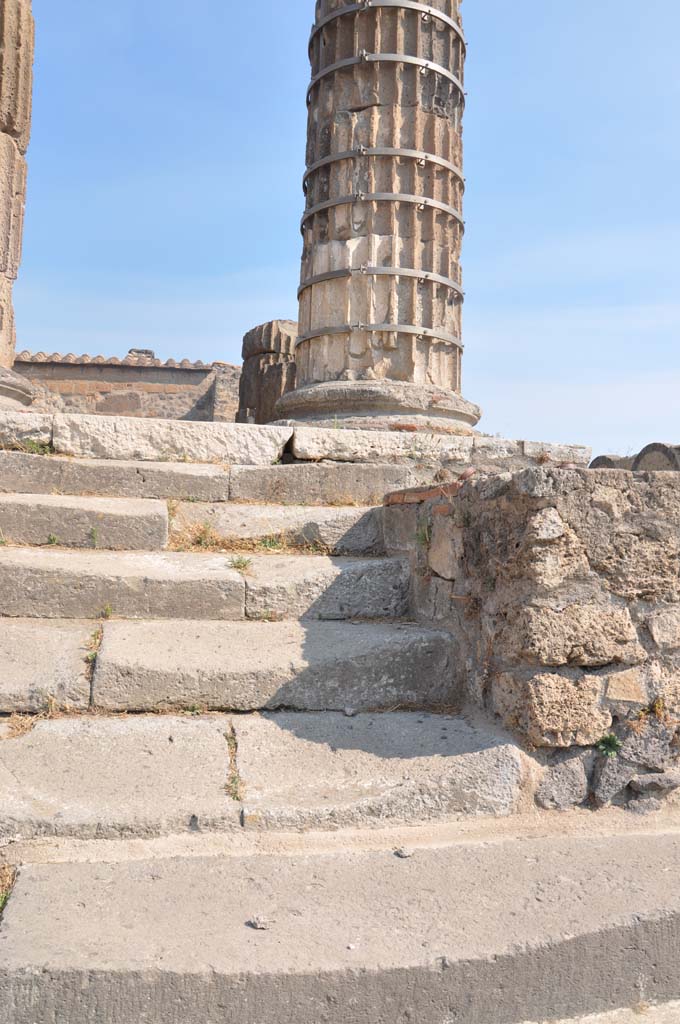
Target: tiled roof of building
(134,358)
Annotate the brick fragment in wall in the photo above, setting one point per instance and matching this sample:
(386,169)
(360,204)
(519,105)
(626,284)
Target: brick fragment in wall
(12,202)
(16,70)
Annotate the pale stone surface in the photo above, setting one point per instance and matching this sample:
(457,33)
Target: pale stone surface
(586,634)
(396,939)
(340,531)
(374,341)
(107,778)
(628,687)
(35,474)
(553,710)
(50,583)
(643,1013)
(326,588)
(118,437)
(19,427)
(375,446)
(123,524)
(328,771)
(12,198)
(42,662)
(327,484)
(445,555)
(254,665)
(664,627)
(16,70)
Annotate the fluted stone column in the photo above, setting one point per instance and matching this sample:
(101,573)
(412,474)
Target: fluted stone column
(16,85)
(381,293)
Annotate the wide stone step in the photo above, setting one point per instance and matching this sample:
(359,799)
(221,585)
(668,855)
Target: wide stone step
(338,531)
(308,484)
(91,776)
(50,474)
(245,666)
(51,583)
(122,524)
(477,933)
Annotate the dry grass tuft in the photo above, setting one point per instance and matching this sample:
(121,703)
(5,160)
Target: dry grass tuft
(7,879)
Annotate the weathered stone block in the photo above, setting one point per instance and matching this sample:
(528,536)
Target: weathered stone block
(16,70)
(18,428)
(446,552)
(552,710)
(566,781)
(664,627)
(12,201)
(588,635)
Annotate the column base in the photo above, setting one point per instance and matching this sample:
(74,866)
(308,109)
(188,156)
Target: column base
(380,405)
(15,391)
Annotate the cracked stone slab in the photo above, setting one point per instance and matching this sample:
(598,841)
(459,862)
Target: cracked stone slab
(289,586)
(92,777)
(38,474)
(123,524)
(463,933)
(341,531)
(330,770)
(123,437)
(42,661)
(246,666)
(51,583)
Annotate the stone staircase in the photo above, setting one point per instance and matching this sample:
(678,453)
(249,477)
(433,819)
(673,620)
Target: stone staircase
(237,783)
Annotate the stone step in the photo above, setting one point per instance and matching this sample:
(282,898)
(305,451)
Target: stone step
(21,473)
(43,661)
(95,777)
(473,933)
(323,483)
(246,666)
(308,484)
(51,583)
(337,531)
(121,524)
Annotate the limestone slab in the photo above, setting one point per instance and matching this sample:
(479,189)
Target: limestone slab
(42,661)
(377,446)
(17,428)
(486,932)
(31,474)
(330,770)
(247,666)
(119,437)
(317,587)
(113,523)
(323,484)
(53,583)
(91,777)
(350,531)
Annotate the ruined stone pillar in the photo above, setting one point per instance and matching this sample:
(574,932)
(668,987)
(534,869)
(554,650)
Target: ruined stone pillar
(380,294)
(16,85)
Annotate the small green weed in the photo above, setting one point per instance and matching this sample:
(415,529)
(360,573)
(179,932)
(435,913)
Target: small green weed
(7,879)
(52,540)
(610,745)
(107,612)
(424,535)
(94,536)
(240,563)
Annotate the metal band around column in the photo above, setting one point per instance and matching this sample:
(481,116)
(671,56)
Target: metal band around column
(388,58)
(366,271)
(405,5)
(419,332)
(409,154)
(422,202)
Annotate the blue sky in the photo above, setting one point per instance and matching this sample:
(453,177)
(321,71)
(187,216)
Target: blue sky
(165,197)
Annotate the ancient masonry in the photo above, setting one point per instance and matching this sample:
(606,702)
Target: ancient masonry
(16,80)
(380,292)
(307,724)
